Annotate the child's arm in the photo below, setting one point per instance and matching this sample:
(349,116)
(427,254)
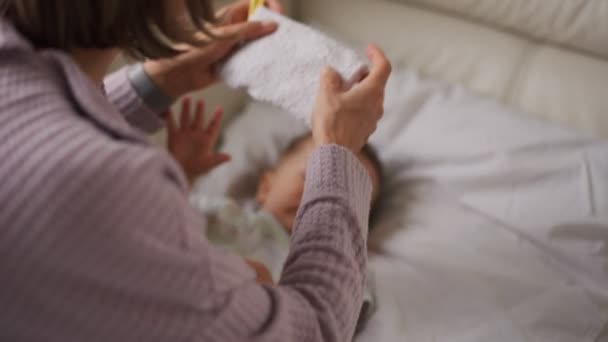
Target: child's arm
(193,143)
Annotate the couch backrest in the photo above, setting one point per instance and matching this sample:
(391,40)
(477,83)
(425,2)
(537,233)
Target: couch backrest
(577,24)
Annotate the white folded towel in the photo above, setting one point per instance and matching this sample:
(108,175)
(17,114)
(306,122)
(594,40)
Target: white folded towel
(284,68)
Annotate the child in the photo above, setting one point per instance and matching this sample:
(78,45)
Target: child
(258,231)
(280,189)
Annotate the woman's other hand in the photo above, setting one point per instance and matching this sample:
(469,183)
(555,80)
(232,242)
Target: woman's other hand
(348,117)
(195,68)
(193,143)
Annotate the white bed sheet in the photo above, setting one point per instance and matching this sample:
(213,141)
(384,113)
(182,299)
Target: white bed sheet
(493,226)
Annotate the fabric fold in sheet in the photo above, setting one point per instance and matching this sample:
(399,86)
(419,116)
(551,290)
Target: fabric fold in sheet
(284,68)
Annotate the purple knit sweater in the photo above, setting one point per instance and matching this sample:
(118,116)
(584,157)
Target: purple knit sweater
(98,241)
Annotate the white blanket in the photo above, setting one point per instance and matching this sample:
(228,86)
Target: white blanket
(492,227)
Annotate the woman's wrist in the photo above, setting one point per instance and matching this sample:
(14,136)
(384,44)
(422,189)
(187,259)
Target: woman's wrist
(147,88)
(324,139)
(169,77)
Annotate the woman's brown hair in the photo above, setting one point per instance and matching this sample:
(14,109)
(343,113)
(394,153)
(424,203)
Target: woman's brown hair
(140,27)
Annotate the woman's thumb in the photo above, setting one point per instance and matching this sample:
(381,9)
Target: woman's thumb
(331,80)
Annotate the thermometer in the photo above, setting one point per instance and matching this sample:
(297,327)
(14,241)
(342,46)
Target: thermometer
(254,5)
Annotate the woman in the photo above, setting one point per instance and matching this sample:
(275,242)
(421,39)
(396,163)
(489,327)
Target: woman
(98,240)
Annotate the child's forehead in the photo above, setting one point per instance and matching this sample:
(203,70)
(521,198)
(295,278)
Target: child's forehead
(302,147)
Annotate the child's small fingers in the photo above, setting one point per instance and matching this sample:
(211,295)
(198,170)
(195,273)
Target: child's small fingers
(216,119)
(199,116)
(215,126)
(185,116)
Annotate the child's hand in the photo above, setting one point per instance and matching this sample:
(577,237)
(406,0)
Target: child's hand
(192,144)
(261,272)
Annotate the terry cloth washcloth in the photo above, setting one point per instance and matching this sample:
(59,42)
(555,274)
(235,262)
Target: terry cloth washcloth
(284,68)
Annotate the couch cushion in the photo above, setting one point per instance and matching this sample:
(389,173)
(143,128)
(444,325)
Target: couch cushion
(564,87)
(578,24)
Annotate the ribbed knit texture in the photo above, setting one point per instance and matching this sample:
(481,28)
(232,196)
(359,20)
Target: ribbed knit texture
(122,94)
(99,242)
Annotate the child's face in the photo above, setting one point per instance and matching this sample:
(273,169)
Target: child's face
(280,189)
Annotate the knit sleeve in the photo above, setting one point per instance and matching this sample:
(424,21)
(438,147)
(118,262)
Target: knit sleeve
(328,260)
(125,258)
(121,92)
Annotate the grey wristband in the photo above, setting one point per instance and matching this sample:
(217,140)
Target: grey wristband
(149,92)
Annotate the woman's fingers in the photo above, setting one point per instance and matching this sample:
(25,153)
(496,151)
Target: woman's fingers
(206,57)
(331,81)
(234,13)
(381,69)
(185,115)
(254,30)
(239,11)
(199,116)
(275,5)
(237,34)
(245,31)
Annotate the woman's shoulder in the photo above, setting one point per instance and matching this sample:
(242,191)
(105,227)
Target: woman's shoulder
(46,127)
(66,170)
(35,101)
(117,167)
(27,76)
(73,151)
(23,69)
(68,175)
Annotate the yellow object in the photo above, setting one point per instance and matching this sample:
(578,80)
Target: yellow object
(254,5)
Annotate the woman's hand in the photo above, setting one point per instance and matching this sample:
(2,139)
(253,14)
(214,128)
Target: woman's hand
(195,68)
(192,144)
(348,117)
